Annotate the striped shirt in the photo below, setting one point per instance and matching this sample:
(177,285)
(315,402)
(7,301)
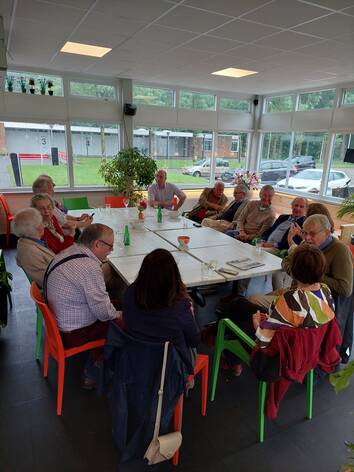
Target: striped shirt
(76,290)
(297,308)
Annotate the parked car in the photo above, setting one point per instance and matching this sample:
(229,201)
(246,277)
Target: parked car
(309,180)
(202,168)
(270,171)
(303,162)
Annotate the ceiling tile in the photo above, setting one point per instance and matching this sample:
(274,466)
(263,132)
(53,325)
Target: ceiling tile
(106,22)
(169,36)
(227,7)
(137,10)
(330,26)
(193,20)
(333,4)
(72,62)
(285,13)
(244,31)
(253,52)
(82,4)
(328,49)
(48,12)
(213,44)
(287,40)
(101,38)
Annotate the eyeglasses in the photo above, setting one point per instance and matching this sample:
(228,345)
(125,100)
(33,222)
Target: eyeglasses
(312,233)
(106,244)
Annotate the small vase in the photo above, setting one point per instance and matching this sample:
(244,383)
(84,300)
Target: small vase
(50,92)
(23,90)
(10,88)
(141,215)
(32,90)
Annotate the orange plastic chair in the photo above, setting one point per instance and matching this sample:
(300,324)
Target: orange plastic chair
(9,217)
(115,201)
(54,345)
(201,365)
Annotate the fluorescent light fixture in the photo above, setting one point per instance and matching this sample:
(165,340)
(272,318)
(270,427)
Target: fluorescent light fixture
(84,49)
(233,72)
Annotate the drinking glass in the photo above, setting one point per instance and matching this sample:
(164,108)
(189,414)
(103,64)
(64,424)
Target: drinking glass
(126,202)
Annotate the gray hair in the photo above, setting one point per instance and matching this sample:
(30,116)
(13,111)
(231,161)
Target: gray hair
(243,188)
(219,183)
(41,196)
(300,198)
(94,232)
(41,184)
(319,221)
(267,187)
(26,222)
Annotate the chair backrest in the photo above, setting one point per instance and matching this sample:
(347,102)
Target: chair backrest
(115,201)
(51,329)
(76,203)
(5,205)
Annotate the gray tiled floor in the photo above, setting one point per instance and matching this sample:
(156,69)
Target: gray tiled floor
(33,438)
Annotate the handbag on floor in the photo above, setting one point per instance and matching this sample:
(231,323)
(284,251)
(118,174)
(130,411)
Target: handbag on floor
(162,448)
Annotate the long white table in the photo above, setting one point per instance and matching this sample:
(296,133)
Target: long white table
(199,237)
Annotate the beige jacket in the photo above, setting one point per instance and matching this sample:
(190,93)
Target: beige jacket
(33,258)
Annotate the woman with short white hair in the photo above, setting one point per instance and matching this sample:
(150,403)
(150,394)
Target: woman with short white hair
(33,255)
(53,234)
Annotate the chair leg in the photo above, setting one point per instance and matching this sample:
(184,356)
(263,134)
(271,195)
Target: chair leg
(46,359)
(39,328)
(177,425)
(8,233)
(261,406)
(309,388)
(61,371)
(205,373)
(215,371)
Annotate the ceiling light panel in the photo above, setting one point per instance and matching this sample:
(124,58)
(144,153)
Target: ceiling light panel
(233,72)
(84,49)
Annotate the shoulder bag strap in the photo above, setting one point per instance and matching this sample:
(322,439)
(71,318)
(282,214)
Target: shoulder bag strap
(160,393)
(50,269)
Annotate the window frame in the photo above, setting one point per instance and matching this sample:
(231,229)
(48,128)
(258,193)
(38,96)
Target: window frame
(174,94)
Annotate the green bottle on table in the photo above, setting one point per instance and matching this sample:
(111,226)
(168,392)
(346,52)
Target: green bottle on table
(159,215)
(126,239)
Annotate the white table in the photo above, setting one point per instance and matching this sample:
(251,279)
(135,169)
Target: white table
(190,269)
(168,223)
(223,254)
(141,242)
(200,237)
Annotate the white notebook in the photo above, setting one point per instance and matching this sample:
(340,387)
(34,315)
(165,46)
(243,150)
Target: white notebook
(245,263)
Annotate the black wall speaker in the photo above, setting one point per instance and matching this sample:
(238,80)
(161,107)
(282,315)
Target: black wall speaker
(129,109)
(255,101)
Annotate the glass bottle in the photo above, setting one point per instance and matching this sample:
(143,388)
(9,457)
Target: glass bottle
(159,215)
(126,239)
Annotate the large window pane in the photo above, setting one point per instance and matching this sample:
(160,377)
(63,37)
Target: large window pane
(41,84)
(307,160)
(340,182)
(196,100)
(30,149)
(234,105)
(348,97)
(284,103)
(92,142)
(274,163)
(231,155)
(153,96)
(101,91)
(185,154)
(317,100)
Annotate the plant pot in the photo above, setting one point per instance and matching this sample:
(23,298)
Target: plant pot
(10,88)
(50,92)
(42,92)
(32,90)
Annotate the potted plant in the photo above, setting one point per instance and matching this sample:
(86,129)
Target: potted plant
(10,83)
(128,173)
(31,85)
(43,85)
(50,86)
(23,85)
(347,207)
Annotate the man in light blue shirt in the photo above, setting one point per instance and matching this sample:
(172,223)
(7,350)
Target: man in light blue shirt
(162,194)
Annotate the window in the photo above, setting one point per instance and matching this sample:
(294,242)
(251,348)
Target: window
(28,150)
(183,153)
(234,105)
(92,142)
(232,148)
(21,82)
(341,178)
(317,100)
(348,97)
(153,96)
(101,91)
(196,100)
(275,164)
(284,103)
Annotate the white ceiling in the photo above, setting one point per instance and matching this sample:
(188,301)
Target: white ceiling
(293,44)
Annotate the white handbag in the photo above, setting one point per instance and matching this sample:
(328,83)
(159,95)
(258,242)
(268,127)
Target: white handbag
(162,448)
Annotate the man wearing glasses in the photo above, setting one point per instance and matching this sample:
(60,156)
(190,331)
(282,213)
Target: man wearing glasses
(76,290)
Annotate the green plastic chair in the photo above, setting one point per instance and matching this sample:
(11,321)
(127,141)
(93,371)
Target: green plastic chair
(76,203)
(236,347)
(39,327)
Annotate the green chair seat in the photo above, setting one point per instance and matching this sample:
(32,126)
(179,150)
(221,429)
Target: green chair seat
(236,346)
(76,203)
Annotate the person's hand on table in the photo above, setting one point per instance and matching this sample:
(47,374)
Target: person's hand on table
(257,318)
(242,236)
(69,227)
(83,217)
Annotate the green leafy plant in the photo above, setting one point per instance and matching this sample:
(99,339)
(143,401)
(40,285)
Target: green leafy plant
(10,82)
(341,380)
(23,84)
(128,173)
(43,85)
(347,207)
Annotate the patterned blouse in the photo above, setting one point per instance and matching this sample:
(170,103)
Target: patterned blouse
(297,308)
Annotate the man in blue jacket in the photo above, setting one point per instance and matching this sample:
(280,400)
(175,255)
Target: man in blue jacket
(277,235)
